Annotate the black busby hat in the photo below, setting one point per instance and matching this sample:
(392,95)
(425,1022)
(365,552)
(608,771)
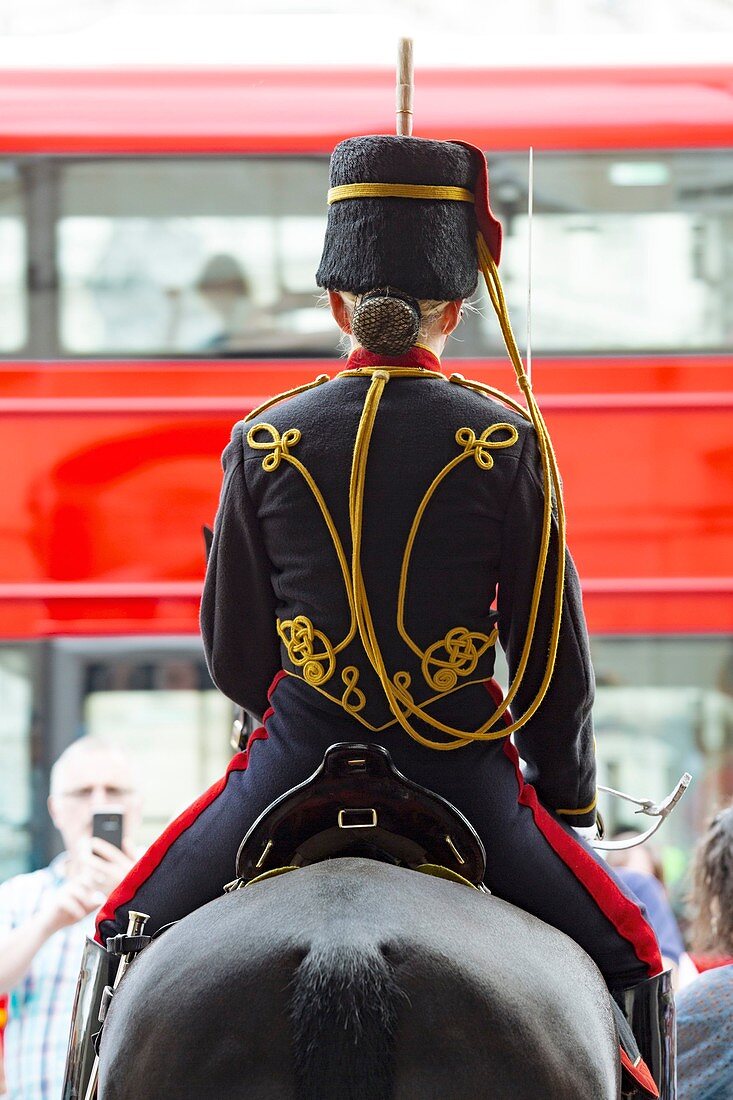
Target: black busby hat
(419,243)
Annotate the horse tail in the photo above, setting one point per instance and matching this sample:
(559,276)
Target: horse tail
(344,1015)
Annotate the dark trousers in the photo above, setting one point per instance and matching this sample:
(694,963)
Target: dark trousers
(534,860)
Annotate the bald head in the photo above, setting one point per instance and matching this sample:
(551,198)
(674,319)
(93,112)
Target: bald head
(91,776)
(82,755)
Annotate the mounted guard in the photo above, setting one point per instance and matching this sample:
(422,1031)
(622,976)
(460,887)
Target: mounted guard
(378,534)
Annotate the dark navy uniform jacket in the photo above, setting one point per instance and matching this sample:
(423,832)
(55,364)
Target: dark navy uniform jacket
(440,587)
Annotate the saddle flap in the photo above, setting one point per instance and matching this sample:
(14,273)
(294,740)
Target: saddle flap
(358,803)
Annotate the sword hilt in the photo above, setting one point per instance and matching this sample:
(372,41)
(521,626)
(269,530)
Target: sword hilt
(660,811)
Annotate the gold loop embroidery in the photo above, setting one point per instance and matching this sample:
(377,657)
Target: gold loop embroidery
(350,677)
(462,656)
(278,445)
(480,447)
(461,648)
(300,638)
(402,682)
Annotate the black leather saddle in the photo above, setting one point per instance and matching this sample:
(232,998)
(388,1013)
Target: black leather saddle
(358,803)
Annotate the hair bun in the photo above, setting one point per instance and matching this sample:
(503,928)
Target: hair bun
(386,322)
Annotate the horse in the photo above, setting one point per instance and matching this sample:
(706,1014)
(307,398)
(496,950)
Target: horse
(355,979)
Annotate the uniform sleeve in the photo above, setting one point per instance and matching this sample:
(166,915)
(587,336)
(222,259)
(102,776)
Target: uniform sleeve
(557,742)
(238,610)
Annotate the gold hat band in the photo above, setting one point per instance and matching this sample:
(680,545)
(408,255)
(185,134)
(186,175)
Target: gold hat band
(397,191)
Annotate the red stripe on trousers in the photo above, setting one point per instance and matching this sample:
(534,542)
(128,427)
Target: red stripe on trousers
(155,854)
(639,1073)
(623,914)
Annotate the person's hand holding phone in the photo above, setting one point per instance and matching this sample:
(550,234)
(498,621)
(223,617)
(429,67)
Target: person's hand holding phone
(101,866)
(69,904)
(96,868)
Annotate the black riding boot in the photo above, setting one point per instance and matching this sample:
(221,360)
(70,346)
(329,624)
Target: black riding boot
(650,1010)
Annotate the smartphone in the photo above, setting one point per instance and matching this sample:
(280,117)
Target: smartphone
(107,825)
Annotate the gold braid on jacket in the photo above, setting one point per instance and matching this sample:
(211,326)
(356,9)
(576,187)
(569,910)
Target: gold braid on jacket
(396,687)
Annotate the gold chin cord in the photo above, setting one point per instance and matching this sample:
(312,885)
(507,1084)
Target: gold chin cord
(396,687)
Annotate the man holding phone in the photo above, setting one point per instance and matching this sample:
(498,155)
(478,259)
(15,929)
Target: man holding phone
(45,916)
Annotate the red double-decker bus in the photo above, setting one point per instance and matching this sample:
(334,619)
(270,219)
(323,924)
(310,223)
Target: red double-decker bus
(159,234)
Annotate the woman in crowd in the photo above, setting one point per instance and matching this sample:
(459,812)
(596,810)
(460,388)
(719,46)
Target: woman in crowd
(705,1008)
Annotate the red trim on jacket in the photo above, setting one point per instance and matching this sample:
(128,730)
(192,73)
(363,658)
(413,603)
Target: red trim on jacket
(415,357)
(278,677)
(497,695)
(155,854)
(623,913)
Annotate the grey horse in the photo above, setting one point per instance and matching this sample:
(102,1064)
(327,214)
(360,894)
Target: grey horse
(354,979)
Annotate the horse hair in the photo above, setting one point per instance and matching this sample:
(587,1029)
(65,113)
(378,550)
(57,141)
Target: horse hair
(344,1013)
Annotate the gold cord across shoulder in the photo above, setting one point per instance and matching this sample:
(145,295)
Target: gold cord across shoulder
(319,381)
(453,658)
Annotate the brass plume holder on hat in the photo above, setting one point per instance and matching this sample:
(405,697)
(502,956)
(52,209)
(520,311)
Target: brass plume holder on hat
(405,88)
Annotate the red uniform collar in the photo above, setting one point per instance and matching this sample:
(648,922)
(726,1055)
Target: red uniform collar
(415,357)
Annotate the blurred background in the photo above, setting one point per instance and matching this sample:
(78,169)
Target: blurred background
(163,171)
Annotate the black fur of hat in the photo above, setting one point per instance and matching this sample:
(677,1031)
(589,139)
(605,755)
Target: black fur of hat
(424,247)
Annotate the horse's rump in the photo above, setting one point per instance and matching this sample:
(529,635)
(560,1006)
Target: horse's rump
(356,980)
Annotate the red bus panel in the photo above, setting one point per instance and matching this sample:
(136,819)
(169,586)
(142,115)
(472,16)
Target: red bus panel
(105,496)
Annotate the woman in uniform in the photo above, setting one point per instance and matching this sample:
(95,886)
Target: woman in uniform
(378,534)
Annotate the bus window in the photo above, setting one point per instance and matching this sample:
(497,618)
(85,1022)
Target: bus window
(13,322)
(210,257)
(197,257)
(631,251)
